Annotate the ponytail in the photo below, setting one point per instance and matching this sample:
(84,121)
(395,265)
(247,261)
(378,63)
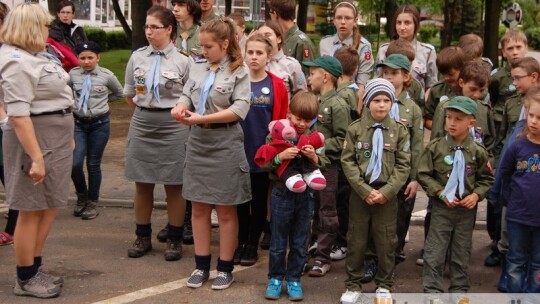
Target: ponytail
(356,38)
(225,29)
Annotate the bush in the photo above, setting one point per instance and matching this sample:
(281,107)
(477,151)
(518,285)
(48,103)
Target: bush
(117,40)
(372,28)
(533,37)
(98,36)
(427,32)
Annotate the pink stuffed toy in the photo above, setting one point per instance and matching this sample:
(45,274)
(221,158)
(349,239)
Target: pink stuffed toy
(299,172)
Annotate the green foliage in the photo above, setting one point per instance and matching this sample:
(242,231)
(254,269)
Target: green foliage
(98,36)
(116,61)
(427,32)
(533,37)
(117,40)
(372,28)
(107,40)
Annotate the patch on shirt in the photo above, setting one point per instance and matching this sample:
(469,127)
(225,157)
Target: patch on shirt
(306,53)
(367,56)
(490,167)
(344,144)
(15,54)
(407,147)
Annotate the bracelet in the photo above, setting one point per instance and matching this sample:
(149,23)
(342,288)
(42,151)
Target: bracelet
(442,196)
(277,161)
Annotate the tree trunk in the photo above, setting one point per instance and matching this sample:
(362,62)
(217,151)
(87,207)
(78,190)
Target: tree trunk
(228,7)
(138,19)
(449,17)
(120,15)
(53,4)
(301,18)
(491,31)
(390,7)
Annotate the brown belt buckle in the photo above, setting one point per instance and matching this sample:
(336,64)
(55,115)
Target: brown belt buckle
(205,125)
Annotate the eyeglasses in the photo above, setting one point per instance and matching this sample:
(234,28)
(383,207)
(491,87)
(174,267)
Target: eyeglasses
(519,77)
(153,27)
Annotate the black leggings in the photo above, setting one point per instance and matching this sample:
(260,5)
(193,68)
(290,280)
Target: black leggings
(252,215)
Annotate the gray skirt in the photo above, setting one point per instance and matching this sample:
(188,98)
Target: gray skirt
(216,169)
(54,134)
(156,148)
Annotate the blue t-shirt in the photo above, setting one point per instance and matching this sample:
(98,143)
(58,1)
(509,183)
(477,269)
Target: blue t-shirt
(255,125)
(520,170)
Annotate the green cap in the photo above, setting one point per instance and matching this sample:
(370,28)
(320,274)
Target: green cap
(463,104)
(396,61)
(327,63)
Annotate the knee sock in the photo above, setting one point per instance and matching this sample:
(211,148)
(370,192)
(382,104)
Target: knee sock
(225,266)
(12,221)
(202,262)
(144,230)
(175,232)
(24,273)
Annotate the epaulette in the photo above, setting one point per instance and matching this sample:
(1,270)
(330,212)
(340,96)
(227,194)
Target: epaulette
(327,36)
(302,36)
(292,59)
(141,49)
(355,122)
(75,68)
(106,71)
(365,41)
(429,46)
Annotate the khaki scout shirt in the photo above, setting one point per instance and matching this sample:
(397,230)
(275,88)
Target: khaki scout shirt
(332,122)
(484,129)
(500,89)
(417,93)
(105,88)
(298,45)
(212,16)
(349,92)
(440,92)
(231,90)
(436,165)
(174,70)
(424,67)
(193,47)
(32,84)
(512,110)
(290,70)
(396,159)
(330,44)
(410,115)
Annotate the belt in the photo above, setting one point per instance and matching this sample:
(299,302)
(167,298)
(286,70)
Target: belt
(62,112)
(154,109)
(217,125)
(91,118)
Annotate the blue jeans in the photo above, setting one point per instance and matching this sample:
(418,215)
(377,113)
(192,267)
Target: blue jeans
(91,137)
(290,222)
(523,258)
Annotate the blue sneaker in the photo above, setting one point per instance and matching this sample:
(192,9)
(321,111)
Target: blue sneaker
(273,291)
(294,289)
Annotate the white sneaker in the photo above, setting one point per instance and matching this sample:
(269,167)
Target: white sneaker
(407,237)
(313,248)
(349,297)
(338,253)
(319,269)
(383,296)
(420,262)
(214,218)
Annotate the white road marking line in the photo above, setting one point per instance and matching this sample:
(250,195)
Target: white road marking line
(163,288)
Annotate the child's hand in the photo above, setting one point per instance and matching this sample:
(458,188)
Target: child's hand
(380,199)
(469,201)
(447,202)
(309,152)
(179,111)
(411,189)
(288,153)
(371,196)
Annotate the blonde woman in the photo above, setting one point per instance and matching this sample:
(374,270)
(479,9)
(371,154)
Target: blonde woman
(38,141)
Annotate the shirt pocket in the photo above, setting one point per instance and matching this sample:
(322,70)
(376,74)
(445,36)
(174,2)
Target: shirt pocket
(54,76)
(388,160)
(99,91)
(171,85)
(220,94)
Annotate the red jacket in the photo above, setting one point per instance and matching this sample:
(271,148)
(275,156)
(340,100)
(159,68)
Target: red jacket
(281,98)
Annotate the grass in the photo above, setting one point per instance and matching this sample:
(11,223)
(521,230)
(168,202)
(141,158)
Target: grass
(116,61)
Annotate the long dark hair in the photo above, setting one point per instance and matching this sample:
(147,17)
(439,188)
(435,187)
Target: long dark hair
(405,9)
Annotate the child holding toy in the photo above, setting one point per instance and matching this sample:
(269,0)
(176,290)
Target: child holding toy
(291,212)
